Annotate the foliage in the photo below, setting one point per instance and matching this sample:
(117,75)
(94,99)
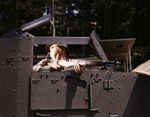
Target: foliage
(110,18)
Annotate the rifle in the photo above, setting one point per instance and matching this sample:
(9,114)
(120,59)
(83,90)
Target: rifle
(87,62)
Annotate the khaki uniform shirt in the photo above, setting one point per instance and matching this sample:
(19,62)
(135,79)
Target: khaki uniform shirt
(42,65)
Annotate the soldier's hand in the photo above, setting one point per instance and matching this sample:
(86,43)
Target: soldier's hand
(78,68)
(55,66)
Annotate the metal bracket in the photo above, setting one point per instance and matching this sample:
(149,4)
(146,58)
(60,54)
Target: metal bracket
(35,81)
(91,100)
(53,81)
(42,115)
(107,84)
(113,115)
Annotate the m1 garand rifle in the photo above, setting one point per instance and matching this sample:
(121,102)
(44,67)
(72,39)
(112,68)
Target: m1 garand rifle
(69,63)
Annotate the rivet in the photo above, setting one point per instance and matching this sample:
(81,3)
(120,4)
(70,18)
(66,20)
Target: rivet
(97,75)
(62,77)
(91,75)
(18,102)
(46,76)
(13,114)
(123,75)
(41,76)
(29,59)
(58,89)
(35,81)
(112,102)
(14,91)
(18,84)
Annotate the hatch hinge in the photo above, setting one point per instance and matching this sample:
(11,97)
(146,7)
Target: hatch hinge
(108,84)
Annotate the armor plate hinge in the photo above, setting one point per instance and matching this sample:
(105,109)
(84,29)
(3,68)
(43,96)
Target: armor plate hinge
(113,115)
(108,84)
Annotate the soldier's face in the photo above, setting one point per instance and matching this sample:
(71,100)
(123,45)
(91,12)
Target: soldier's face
(56,54)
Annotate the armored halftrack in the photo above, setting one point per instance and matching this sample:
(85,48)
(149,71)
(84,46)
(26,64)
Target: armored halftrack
(92,93)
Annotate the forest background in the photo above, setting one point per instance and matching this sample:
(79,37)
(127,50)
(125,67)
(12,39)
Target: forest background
(112,19)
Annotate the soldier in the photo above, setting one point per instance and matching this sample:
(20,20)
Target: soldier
(57,52)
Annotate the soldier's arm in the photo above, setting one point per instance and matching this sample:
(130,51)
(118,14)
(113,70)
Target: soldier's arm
(40,64)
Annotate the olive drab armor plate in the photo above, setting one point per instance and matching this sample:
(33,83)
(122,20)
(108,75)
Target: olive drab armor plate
(100,92)
(112,92)
(60,93)
(15,70)
(58,90)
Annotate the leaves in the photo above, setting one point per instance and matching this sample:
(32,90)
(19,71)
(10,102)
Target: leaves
(110,18)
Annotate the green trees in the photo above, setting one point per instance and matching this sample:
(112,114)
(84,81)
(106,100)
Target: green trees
(110,18)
